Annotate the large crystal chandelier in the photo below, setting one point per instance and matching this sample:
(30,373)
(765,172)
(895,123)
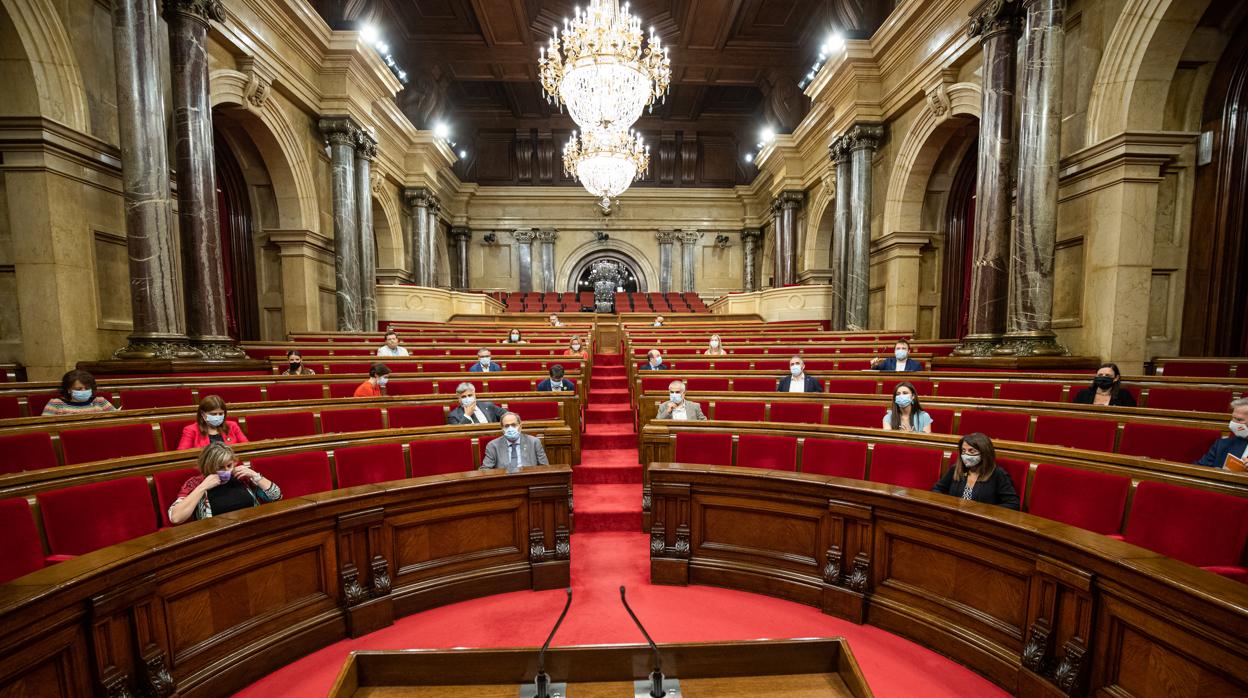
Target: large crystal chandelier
(606,162)
(600,69)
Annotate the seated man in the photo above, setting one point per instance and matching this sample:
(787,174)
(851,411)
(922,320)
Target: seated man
(484,364)
(656,361)
(378,374)
(679,408)
(469,410)
(556,382)
(658,321)
(513,450)
(899,361)
(797,381)
(391,347)
(1234,448)
(555,321)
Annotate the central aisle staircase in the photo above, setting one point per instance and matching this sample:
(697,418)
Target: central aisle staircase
(606,486)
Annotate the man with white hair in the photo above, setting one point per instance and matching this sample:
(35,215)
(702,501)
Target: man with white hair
(677,407)
(1231,452)
(513,451)
(469,411)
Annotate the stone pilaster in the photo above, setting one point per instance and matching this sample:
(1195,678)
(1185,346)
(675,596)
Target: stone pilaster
(365,153)
(862,140)
(840,153)
(417,201)
(688,247)
(524,249)
(665,238)
(342,134)
(749,251)
(784,212)
(547,238)
(461,236)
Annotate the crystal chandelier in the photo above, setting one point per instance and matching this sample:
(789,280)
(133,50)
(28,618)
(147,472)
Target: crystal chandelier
(606,162)
(599,68)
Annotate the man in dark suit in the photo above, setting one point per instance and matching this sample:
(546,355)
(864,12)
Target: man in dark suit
(655,362)
(556,382)
(484,363)
(899,361)
(469,410)
(1234,445)
(797,381)
(513,451)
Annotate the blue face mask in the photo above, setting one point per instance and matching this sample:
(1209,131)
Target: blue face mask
(903,400)
(225,475)
(467,400)
(511,432)
(485,360)
(677,397)
(901,354)
(214,420)
(382,381)
(795,370)
(80,395)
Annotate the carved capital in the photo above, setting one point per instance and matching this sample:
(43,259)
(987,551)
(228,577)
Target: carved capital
(681,549)
(832,570)
(992,17)
(525,236)
(667,237)
(645,502)
(658,540)
(563,544)
(201,10)
(690,237)
(365,145)
(548,235)
(839,150)
(256,91)
(117,685)
(1036,650)
(1068,674)
(750,236)
(353,592)
(339,130)
(381,576)
(864,136)
(537,545)
(458,233)
(417,197)
(789,199)
(159,680)
(861,576)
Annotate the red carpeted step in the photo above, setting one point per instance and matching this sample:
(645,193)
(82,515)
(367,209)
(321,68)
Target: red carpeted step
(608,360)
(607,507)
(609,396)
(609,414)
(608,436)
(607,467)
(608,383)
(610,371)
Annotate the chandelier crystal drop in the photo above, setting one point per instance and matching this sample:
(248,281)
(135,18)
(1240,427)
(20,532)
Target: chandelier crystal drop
(606,162)
(601,69)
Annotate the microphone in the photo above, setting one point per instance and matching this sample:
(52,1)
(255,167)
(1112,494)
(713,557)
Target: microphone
(542,680)
(656,676)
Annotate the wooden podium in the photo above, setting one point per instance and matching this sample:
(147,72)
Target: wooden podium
(809,668)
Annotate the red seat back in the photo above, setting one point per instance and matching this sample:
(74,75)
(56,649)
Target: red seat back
(1073,432)
(906,466)
(343,390)
(1170,398)
(296,391)
(107,443)
(21,552)
(856,416)
(535,410)
(234,393)
(853,364)
(922,387)
(852,386)
(1018,475)
(338,421)
(80,519)
(148,398)
(659,383)
(1200,528)
(10,408)
(707,384)
(408,387)
(28,451)
(359,369)
(740,411)
(1178,444)
(408,416)
(1083,498)
(523,366)
(703,448)
(365,465)
(1010,426)
(942,419)
(835,457)
(297,474)
(796,412)
(952,388)
(171,432)
(447,387)
(280,425)
(438,456)
(168,483)
(35,402)
(509,385)
(754,384)
(1035,392)
(767,451)
(1201,369)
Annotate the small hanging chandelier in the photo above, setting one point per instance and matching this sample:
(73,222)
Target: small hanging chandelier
(606,162)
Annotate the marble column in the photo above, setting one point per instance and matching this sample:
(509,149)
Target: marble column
(417,200)
(548,237)
(341,133)
(461,236)
(785,211)
(434,211)
(1030,322)
(207,317)
(365,152)
(997,23)
(688,247)
(158,331)
(862,141)
(841,230)
(665,238)
(749,259)
(524,250)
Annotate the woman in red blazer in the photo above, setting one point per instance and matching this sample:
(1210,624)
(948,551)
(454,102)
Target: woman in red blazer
(210,426)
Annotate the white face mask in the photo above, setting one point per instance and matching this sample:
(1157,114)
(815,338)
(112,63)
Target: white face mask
(656,361)
(1239,429)
(576,346)
(382,381)
(467,400)
(714,343)
(677,397)
(515,337)
(795,370)
(485,360)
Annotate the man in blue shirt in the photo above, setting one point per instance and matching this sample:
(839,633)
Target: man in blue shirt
(1236,444)
(899,361)
(556,382)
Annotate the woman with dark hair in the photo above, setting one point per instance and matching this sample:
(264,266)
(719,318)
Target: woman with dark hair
(77,397)
(211,426)
(1106,389)
(296,367)
(905,413)
(975,475)
(223,485)
(378,376)
(514,337)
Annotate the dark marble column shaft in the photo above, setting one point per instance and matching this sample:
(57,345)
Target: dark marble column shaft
(785,211)
(417,200)
(365,152)
(434,211)
(842,222)
(342,133)
(862,142)
(749,258)
(665,238)
(548,238)
(524,251)
(461,236)
(688,247)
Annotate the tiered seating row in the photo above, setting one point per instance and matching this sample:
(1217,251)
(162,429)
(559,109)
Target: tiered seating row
(540,302)
(1203,367)
(659,303)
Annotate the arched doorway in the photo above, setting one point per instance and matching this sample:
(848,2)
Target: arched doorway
(634,282)
(237,260)
(955,297)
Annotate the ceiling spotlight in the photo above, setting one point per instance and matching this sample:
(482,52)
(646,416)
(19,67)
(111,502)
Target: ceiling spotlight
(369,34)
(441,130)
(383,47)
(835,43)
(403,75)
(767,135)
(463,154)
(749,157)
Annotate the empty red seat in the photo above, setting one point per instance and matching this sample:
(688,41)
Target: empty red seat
(853,364)
(1170,398)
(906,466)
(343,390)
(1018,475)
(1206,529)
(922,387)
(739,411)
(524,366)
(408,416)
(408,387)
(447,387)
(535,409)
(703,448)
(835,457)
(156,397)
(767,451)
(29,451)
(296,391)
(10,407)
(354,368)
(770,365)
(1179,444)
(1090,500)
(952,388)
(168,483)
(234,393)
(339,421)
(509,385)
(107,443)
(653,384)
(754,384)
(297,474)
(942,419)
(695,365)
(280,425)
(1201,369)
(708,384)
(171,432)
(1010,426)
(365,465)
(35,402)
(1073,432)
(850,386)
(21,551)
(1035,392)
(78,520)
(439,456)
(856,416)
(796,412)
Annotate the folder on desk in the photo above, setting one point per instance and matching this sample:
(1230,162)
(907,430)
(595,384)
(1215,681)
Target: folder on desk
(1233,464)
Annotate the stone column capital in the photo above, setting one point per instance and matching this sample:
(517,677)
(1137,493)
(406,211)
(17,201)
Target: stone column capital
(839,150)
(548,235)
(751,235)
(991,17)
(417,197)
(202,10)
(666,237)
(690,237)
(458,232)
(789,199)
(340,130)
(365,145)
(525,236)
(864,136)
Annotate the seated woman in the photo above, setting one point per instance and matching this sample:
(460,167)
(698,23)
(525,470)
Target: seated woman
(906,414)
(1106,389)
(296,367)
(975,475)
(77,396)
(514,338)
(716,347)
(223,485)
(378,376)
(211,426)
(576,349)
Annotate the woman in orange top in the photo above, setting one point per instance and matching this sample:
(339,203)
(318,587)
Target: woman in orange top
(575,349)
(377,377)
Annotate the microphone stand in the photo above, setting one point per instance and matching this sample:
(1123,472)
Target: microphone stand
(542,686)
(655,689)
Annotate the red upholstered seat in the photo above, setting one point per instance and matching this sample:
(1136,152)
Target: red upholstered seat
(922,387)
(1170,398)
(354,368)
(35,402)
(168,483)
(739,411)
(1010,426)
(28,451)
(535,410)
(1206,529)
(707,384)
(706,449)
(337,421)
(438,456)
(408,416)
(509,385)
(853,364)
(234,393)
(447,387)
(856,416)
(835,457)
(21,551)
(796,412)
(854,386)
(365,465)
(156,397)
(1018,474)
(341,390)
(297,474)
(171,432)
(1179,444)
(10,408)
(1087,434)
(77,520)
(524,366)
(771,365)
(1083,498)
(754,384)
(296,391)
(767,451)
(651,384)
(107,443)
(906,466)
(695,364)
(952,388)
(409,387)
(942,419)
(280,425)
(1035,392)
(1203,369)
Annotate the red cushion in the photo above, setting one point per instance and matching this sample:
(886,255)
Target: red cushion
(1203,369)
(296,391)
(171,432)
(438,456)
(739,411)
(10,407)
(408,416)
(107,443)
(234,393)
(29,451)
(1198,527)
(835,457)
(296,474)
(1167,398)
(409,387)
(1018,474)
(80,519)
(338,421)
(1086,434)
(703,448)
(1035,392)
(168,484)
(770,365)
(364,465)
(1090,500)
(853,364)
(353,368)
(280,425)
(523,366)
(856,416)
(1010,426)
(448,386)
(509,385)
(851,386)
(952,388)
(341,390)
(922,387)
(907,466)
(767,451)
(796,412)
(707,384)
(754,384)
(156,397)
(656,384)
(1178,444)
(35,402)
(21,551)
(535,410)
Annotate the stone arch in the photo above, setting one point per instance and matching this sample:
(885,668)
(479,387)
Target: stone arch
(626,252)
(58,81)
(388,227)
(820,215)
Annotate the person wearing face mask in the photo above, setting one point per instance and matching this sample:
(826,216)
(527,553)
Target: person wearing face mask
(77,396)
(555,321)
(899,361)
(556,382)
(514,450)
(677,407)
(654,361)
(378,376)
(1232,451)
(469,411)
(295,365)
(576,348)
(222,485)
(716,347)
(484,363)
(211,426)
(797,381)
(905,413)
(976,477)
(1106,389)
(514,338)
